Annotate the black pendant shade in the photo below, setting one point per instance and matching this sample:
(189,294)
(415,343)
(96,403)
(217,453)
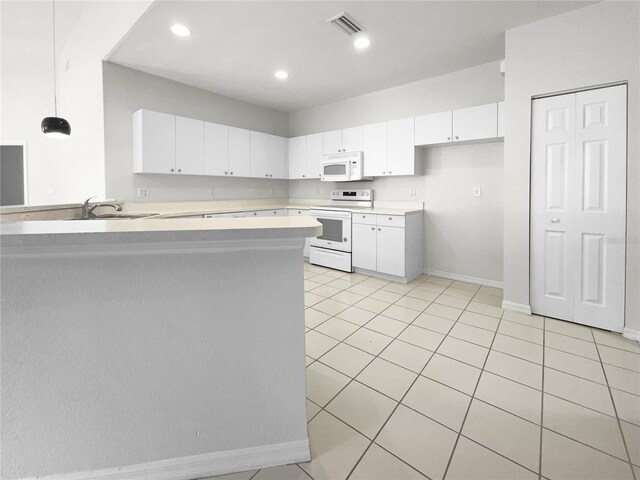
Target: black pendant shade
(55,125)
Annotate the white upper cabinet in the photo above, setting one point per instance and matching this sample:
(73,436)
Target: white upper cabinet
(352,139)
(339,141)
(154,142)
(314,155)
(332,142)
(400,147)
(375,149)
(298,157)
(433,128)
(239,152)
(216,149)
(501,117)
(475,123)
(189,146)
(277,160)
(259,154)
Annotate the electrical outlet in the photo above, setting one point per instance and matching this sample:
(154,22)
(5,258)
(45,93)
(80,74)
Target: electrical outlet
(413,192)
(477,191)
(143,192)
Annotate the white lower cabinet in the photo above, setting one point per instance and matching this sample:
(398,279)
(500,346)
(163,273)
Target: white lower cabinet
(388,244)
(391,249)
(364,246)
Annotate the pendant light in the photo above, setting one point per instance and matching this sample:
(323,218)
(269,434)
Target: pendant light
(55,127)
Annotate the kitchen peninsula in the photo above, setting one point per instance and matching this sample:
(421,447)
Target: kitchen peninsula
(178,341)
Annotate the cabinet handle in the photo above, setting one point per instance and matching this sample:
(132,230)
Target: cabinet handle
(390,218)
(304,176)
(172,169)
(270,175)
(384,173)
(372,228)
(179,170)
(226,173)
(390,172)
(231,173)
(456,137)
(266,174)
(363,216)
(448,138)
(379,229)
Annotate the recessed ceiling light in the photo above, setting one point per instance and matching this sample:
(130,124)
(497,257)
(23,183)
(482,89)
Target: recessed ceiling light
(361,42)
(180,30)
(281,75)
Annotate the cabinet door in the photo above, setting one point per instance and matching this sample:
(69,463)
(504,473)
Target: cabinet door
(189,146)
(352,139)
(332,142)
(433,128)
(375,149)
(239,152)
(475,123)
(390,251)
(400,147)
(501,123)
(277,157)
(154,142)
(216,149)
(314,155)
(298,157)
(259,155)
(363,246)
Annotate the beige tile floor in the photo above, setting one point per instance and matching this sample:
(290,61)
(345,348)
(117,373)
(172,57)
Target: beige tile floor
(434,380)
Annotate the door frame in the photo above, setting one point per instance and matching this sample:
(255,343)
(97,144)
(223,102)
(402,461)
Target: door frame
(25,164)
(624,83)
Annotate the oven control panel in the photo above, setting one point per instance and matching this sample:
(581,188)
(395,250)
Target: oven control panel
(357,195)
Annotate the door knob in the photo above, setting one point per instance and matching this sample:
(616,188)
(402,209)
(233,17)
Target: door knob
(555,220)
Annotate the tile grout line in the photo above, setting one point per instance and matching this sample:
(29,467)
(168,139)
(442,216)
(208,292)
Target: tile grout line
(466,414)
(397,405)
(544,336)
(615,409)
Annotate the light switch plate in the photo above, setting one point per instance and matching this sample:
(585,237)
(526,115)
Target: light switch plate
(477,191)
(143,192)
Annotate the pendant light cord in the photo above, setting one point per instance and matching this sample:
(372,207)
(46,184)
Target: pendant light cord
(55,99)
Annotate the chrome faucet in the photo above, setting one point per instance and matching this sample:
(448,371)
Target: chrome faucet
(87,211)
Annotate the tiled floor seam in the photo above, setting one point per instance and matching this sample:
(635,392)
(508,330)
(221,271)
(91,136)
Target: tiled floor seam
(466,414)
(615,409)
(397,405)
(544,335)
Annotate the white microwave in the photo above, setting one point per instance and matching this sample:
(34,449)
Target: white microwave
(343,167)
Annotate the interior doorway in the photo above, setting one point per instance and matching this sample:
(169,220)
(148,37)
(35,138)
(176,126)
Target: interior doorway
(13,174)
(578,206)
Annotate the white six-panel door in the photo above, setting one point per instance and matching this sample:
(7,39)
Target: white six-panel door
(578,209)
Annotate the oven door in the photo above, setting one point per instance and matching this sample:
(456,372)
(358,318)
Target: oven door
(336,171)
(336,230)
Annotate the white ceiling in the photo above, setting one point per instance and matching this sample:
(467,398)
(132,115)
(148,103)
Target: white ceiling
(236,46)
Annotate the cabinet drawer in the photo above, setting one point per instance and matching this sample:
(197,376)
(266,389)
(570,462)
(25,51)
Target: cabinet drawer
(390,220)
(363,218)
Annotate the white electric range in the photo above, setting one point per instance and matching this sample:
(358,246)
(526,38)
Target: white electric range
(332,249)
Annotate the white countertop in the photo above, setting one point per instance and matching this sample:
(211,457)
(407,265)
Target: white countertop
(88,232)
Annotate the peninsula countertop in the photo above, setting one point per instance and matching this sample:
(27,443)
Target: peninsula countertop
(153,230)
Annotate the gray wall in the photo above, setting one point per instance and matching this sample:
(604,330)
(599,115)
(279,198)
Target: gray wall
(592,46)
(463,233)
(127,90)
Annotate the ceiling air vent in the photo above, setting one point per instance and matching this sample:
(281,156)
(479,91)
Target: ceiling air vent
(346,23)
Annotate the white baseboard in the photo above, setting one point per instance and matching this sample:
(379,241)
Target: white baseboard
(517,307)
(199,466)
(463,278)
(631,334)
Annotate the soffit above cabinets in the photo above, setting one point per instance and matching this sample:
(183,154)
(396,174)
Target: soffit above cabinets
(236,47)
